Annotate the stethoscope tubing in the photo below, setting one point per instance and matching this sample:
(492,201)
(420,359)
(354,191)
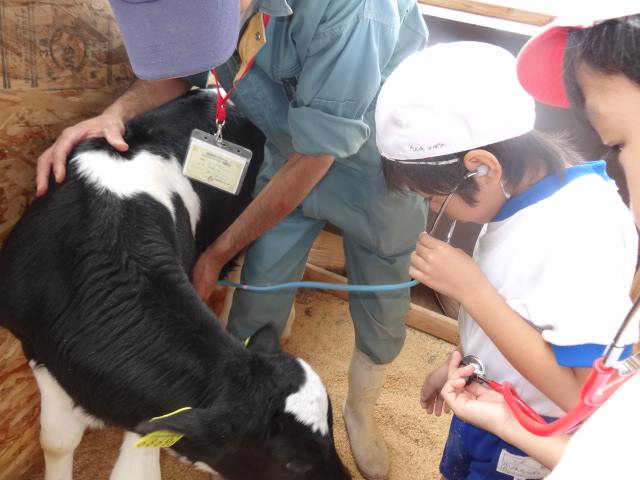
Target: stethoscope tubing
(346,287)
(594,392)
(343,287)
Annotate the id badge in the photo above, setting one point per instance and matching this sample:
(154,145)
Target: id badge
(220,164)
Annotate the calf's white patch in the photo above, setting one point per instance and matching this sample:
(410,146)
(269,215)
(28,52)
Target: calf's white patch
(154,175)
(310,404)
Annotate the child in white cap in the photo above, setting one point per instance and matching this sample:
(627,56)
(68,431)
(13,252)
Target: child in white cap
(589,60)
(537,304)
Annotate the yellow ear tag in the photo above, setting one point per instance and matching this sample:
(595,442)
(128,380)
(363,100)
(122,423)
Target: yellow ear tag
(246,342)
(161,438)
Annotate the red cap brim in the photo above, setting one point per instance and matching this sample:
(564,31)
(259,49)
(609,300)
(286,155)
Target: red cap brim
(541,66)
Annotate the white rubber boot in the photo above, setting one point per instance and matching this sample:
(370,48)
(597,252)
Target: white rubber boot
(367,445)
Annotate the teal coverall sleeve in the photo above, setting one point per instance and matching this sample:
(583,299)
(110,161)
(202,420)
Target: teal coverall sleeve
(340,78)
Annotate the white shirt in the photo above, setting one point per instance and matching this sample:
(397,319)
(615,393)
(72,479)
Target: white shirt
(606,445)
(563,256)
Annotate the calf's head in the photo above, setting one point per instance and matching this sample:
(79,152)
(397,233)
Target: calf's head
(279,428)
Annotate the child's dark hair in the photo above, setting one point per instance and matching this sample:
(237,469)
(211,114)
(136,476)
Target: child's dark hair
(534,153)
(611,47)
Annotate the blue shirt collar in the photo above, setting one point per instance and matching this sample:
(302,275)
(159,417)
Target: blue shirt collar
(548,186)
(275,8)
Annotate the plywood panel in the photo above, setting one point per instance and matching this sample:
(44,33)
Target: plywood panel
(60,62)
(19,410)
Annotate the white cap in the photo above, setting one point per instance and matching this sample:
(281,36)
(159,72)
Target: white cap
(451,98)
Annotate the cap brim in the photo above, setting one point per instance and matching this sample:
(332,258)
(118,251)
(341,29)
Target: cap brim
(541,66)
(169,39)
(541,60)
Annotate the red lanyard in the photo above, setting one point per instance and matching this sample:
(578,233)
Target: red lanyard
(222,100)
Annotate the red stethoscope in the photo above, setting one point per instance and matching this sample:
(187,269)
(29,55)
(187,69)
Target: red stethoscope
(607,375)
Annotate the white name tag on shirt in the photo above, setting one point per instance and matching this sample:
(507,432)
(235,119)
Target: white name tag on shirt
(220,164)
(519,467)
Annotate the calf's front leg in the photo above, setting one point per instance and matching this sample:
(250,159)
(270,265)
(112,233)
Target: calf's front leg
(136,463)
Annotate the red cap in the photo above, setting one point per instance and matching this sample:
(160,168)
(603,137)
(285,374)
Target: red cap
(541,61)
(541,66)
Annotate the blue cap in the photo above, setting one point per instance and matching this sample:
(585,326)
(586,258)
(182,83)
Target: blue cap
(176,38)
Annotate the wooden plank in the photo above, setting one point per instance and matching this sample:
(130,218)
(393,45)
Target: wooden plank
(493,10)
(328,252)
(433,323)
(418,317)
(313,273)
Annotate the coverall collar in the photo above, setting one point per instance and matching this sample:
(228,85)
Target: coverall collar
(275,8)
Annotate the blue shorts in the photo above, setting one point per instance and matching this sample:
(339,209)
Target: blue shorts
(474,454)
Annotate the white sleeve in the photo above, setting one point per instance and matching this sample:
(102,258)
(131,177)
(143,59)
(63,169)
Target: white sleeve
(599,449)
(580,295)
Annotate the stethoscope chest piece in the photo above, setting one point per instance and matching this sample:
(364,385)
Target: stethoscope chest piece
(480,371)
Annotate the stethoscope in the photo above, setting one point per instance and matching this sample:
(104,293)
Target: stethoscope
(481,171)
(596,390)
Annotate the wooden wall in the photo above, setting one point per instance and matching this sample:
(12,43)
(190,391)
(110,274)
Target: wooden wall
(60,62)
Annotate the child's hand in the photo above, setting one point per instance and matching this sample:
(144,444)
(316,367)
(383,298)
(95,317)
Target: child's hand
(444,268)
(475,403)
(430,398)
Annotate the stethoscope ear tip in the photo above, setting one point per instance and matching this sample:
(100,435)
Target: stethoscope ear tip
(481,171)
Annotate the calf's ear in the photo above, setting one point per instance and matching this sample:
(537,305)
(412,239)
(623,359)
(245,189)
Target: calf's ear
(185,421)
(212,428)
(265,340)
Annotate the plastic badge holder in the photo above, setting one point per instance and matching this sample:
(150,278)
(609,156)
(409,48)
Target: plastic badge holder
(218,163)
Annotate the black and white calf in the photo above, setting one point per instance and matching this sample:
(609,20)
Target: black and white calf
(94,281)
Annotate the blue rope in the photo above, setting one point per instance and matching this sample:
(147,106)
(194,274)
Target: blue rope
(322,286)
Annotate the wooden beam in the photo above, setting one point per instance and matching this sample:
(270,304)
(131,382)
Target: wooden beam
(327,252)
(493,10)
(433,323)
(418,317)
(313,273)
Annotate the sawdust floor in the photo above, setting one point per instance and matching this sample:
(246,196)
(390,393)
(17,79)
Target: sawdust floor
(323,336)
